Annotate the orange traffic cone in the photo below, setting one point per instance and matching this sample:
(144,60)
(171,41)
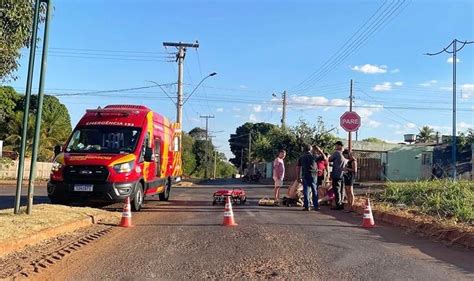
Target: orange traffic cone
(368,220)
(126,214)
(228,214)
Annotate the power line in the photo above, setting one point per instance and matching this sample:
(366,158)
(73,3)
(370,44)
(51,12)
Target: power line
(109,91)
(331,63)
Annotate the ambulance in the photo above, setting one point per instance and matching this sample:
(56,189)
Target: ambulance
(116,152)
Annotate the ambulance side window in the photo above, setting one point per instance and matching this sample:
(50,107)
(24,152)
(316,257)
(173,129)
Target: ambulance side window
(146,143)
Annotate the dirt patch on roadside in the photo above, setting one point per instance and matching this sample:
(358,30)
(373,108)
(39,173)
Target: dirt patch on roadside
(36,259)
(46,221)
(449,231)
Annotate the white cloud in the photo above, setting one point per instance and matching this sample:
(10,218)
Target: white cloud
(463,126)
(370,69)
(450,60)
(307,101)
(236,109)
(408,128)
(446,88)
(220,109)
(243,87)
(410,125)
(428,83)
(385,86)
(467,91)
(257,108)
(396,70)
(374,124)
(367,111)
(253,118)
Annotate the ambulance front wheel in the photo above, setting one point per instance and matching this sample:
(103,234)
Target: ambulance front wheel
(165,195)
(137,202)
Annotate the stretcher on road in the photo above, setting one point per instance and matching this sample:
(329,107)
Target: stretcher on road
(237,195)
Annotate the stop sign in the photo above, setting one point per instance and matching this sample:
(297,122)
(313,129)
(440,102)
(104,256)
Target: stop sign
(350,121)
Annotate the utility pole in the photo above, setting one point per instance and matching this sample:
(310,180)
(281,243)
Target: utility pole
(454,52)
(207,138)
(250,149)
(215,163)
(241,161)
(350,109)
(29,81)
(180,59)
(283,113)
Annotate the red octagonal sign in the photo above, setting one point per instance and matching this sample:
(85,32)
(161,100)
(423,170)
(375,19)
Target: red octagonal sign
(350,121)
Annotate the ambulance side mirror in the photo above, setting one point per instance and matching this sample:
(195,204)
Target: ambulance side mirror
(57,150)
(148,157)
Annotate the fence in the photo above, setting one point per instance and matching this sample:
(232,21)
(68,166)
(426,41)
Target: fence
(10,171)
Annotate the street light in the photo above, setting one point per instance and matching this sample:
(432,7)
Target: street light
(197,86)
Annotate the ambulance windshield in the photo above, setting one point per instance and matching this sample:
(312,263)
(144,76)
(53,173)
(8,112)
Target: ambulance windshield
(109,139)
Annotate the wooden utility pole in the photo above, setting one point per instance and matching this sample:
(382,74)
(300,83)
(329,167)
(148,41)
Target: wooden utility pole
(207,144)
(283,113)
(180,59)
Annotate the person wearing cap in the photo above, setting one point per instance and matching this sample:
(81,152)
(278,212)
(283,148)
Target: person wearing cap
(338,163)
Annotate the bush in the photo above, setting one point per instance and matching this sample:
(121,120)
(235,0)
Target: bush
(443,198)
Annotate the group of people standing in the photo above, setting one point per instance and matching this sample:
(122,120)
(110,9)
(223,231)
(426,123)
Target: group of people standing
(312,171)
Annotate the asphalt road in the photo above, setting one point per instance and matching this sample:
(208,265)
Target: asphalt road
(7,195)
(183,239)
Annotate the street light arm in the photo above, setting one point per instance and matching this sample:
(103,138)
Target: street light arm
(197,86)
(162,90)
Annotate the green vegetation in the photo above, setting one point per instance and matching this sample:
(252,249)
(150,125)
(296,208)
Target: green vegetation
(195,161)
(16,18)
(268,139)
(443,198)
(374,140)
(55,124)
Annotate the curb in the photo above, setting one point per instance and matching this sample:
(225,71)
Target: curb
(9,247)
(433,229)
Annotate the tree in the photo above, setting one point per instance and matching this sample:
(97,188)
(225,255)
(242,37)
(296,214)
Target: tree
(268,139)
(55,123)
(240,140)
(198,133)
(15,32)
(8,102)
(188,157)
(426,134)
(374,140)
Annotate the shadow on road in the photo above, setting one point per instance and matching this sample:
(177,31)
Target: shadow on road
(7,201)
(457,256)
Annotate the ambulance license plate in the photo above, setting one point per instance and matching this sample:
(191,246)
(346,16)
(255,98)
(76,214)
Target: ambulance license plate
(84,187)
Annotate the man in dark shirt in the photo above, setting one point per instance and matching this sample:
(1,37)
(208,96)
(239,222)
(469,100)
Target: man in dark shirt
(338,162)
(306,171)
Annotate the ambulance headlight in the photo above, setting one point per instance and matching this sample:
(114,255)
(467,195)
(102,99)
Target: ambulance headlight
(124,167)
(56,166)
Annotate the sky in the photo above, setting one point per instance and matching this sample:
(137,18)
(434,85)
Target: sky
(311,49)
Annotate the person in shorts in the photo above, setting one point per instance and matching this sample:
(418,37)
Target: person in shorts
(278,174)
(350,171)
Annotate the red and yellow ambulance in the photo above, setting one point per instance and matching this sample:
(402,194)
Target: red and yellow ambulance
(116,152)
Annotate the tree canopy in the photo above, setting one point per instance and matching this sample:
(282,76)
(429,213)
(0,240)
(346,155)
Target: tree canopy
(426,134)
(15,32)
(267,139)
(198,156)
(55,123)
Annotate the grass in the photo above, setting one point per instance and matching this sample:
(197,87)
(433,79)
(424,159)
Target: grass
(442,198)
